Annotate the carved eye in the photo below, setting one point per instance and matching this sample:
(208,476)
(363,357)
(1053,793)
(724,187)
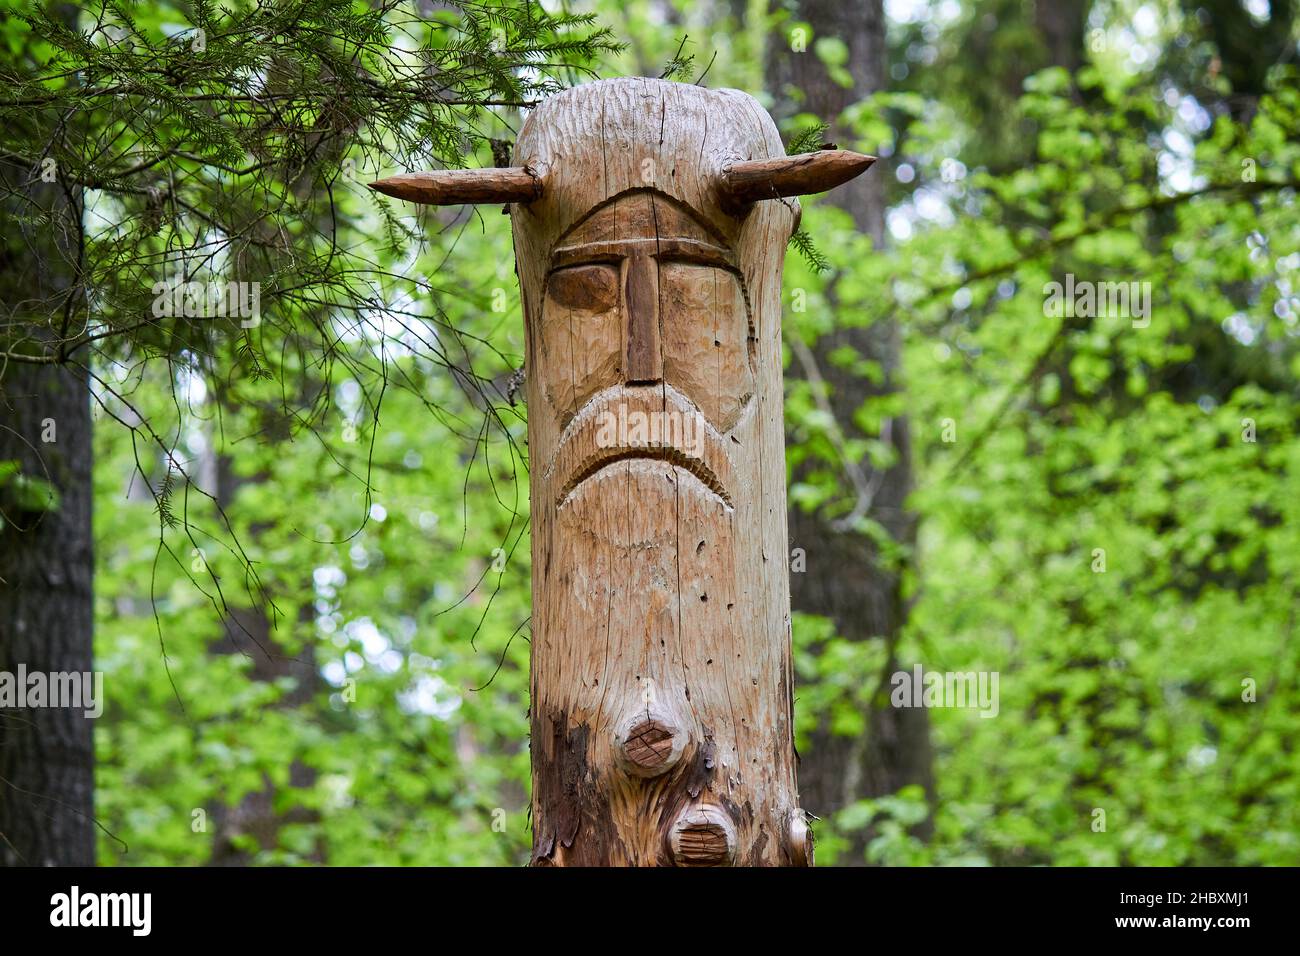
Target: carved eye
(707,339)
(589,288)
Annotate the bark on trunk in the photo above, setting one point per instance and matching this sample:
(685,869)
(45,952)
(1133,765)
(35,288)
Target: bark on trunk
(47,786)
(46,753)
(1061,24)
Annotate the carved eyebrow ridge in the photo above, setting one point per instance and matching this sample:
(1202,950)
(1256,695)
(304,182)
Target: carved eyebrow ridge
(676,250)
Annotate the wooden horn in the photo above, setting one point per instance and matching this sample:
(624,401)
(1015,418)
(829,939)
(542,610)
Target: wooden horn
(450,187)
(748,182)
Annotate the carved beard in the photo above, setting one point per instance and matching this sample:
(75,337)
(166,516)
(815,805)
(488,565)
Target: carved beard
(643,550)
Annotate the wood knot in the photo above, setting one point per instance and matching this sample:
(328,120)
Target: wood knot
(650,744)
(801,842)
(704,836)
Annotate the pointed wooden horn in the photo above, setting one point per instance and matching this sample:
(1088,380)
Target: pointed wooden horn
(450,187)
(744,183)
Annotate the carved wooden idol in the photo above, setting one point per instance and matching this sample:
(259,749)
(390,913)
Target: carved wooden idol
(650,227)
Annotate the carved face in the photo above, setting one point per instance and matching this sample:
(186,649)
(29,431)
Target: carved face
(647,343)
(650,225)
(660,670)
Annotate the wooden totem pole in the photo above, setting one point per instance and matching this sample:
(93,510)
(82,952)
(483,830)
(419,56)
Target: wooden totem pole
(650,225)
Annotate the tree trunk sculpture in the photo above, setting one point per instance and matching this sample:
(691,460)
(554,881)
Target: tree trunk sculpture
(650,225)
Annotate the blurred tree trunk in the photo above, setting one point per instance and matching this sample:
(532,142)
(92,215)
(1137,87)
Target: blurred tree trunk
(844,580)
(1061,24)
(1247,49)
(46,548)
(250,631)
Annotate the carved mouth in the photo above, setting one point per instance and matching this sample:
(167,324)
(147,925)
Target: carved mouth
(675,456)
(582,452)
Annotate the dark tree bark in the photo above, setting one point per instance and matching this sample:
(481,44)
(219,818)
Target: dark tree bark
(1061,25)
(1247,49)
(46,753)
(46,553)
(844,580)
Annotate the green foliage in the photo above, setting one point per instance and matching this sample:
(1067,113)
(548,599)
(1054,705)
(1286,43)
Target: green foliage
(374,550)
(803,244)
(22,494)
(1113,529)
(807,140)
(891,819)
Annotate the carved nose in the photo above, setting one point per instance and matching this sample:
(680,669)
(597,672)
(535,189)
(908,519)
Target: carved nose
(644,359)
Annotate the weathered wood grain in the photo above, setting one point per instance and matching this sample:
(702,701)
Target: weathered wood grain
(650,223)
(661,610)
(445,187)
(798,175)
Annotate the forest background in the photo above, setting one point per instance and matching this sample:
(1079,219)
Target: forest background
(310,591)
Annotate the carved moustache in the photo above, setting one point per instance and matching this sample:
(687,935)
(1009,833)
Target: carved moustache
(650,422)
